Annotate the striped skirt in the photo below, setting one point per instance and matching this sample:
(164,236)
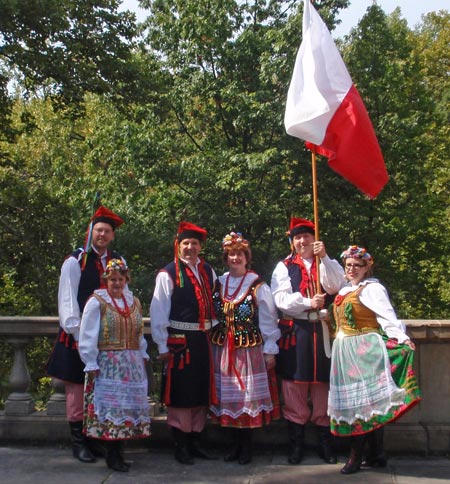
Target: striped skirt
(247,393)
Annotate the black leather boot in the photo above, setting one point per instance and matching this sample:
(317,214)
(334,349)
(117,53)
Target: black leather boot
(80,447)
(297,440)
(182,454)
(196,449)
(245,454)
(96,447)
(353,463)
(376,456)
(326,451)
(235,446)
(114,456)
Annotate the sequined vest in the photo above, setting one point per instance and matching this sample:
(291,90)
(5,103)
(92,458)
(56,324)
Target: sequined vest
(116,331)
(238,319)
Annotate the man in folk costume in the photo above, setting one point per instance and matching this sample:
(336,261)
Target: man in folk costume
(80,277)
(181,315)
(304,358)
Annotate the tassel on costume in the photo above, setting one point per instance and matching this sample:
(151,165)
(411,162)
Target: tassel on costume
(181,362)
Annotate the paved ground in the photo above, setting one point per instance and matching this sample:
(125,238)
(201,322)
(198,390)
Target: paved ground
(55,465)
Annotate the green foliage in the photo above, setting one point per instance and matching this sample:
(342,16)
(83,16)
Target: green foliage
(66,47)
(204,140)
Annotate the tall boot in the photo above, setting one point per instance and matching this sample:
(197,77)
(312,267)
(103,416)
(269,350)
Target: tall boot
(353,463)
(182,454)
(196,449)
(326,451)
(114,456)
(235,446)
(376,456)
(245,454)
(96,447)
(80,448)
(297,440)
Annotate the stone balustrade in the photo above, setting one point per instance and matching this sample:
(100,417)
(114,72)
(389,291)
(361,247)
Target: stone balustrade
(424,430)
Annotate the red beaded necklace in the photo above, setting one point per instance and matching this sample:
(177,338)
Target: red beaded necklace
(125,312)
(231,297)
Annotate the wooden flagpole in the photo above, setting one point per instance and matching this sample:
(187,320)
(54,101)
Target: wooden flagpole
(316,215)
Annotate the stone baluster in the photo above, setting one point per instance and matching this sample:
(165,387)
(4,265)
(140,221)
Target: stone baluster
(19,401)
(56,405)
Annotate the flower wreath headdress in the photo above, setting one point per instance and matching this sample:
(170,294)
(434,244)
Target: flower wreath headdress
(115,265)
(356,252)
(234,241)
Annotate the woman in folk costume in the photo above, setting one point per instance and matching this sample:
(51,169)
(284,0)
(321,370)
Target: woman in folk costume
(114,350)
(244,348)
(372,381)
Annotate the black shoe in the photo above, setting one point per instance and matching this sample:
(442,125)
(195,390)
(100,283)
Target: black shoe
(326,451)
(233,454)
(96,447)
(297,439)
(296,454)
(196,449)
(80,449)
(114,458)
(376,456)
(351,466)
(182,453)
(236,446)
(245,453)
(353,463)
(83,454)
(117,465)
(375,461)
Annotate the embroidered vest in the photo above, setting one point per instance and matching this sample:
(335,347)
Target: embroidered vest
(117,332)
(352,317)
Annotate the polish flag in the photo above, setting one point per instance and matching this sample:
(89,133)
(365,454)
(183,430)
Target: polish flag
(325,109)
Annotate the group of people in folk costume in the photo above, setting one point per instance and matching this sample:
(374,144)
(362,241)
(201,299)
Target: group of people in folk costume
(229,345)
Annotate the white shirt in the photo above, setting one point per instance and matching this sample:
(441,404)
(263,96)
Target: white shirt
(90,327)
(293,304)
(375,297)
(161,305)
(69,281)
(267,311)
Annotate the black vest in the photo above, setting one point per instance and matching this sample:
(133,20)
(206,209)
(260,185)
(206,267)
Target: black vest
(90,277)
(184,304)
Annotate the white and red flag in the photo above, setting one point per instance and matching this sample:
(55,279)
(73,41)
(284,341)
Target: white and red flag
(325,109)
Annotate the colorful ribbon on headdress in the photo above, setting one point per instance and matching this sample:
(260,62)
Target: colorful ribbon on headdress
(178,274)
(87,241)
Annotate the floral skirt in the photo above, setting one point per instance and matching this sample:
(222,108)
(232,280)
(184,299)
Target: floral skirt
(372,383)
(246,391)
(115,401)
